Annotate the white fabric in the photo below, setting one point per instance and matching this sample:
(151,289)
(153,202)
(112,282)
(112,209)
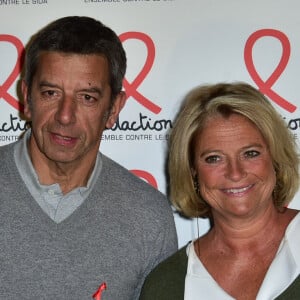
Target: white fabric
(281,273)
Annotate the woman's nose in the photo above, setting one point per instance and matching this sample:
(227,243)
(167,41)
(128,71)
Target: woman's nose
(235,170)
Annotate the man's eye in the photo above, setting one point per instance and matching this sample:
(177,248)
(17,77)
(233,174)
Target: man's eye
(49,94)
(87,99)
(212,159)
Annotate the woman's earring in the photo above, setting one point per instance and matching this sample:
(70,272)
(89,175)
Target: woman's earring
(196,185)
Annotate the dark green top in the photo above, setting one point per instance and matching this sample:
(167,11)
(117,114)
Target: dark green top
(167,280)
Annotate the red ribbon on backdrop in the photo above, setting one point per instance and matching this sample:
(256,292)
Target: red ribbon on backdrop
(146,176)
(131,88)
(266,86)
(14,73)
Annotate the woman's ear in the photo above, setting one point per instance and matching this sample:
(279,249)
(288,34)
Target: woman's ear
(193,172)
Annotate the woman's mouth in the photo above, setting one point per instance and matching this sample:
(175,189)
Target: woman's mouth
(237,190)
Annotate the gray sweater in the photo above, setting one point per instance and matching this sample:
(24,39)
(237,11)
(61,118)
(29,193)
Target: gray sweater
(121,231)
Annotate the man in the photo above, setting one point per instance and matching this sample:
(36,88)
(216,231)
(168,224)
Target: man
(73,222)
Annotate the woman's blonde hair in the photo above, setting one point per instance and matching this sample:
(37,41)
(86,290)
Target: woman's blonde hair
(226,98)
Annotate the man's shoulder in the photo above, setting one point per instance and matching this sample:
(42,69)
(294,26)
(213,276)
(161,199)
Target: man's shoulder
(128,190)
(7,148)
(8,173)
(116,174)
(6,152)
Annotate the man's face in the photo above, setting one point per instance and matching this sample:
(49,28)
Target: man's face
(69,107)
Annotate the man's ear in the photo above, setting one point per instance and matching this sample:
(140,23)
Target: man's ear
(27,100)
(118,104)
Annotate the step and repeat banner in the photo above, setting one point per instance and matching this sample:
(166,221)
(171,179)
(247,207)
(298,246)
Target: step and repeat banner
(172,46)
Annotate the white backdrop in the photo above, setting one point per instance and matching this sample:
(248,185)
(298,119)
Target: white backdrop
(172,46)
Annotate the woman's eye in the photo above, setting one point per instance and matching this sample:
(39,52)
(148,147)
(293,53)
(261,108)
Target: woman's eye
(251,153)
(212,159)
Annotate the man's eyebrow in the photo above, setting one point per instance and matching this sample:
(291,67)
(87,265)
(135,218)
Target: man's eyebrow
(92,90)
(47,83)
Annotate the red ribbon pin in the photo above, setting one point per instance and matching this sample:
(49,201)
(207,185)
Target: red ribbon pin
(98,293)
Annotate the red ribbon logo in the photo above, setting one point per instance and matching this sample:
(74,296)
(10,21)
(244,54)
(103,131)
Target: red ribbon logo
(14,74)
(131,88)
(266,87)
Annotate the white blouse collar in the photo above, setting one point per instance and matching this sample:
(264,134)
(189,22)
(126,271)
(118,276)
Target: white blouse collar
(282,272)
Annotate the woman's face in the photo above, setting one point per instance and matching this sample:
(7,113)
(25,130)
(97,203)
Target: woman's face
(234,167)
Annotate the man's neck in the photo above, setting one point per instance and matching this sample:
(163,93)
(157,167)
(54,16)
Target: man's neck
(69,175)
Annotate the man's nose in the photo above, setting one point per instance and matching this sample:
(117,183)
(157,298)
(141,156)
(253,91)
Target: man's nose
(66,111)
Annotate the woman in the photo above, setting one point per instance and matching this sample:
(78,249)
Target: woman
(233,160)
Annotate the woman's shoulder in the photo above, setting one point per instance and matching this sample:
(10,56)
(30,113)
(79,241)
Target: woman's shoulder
(166,280)
(292,292)
(294,219)
(171,266)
